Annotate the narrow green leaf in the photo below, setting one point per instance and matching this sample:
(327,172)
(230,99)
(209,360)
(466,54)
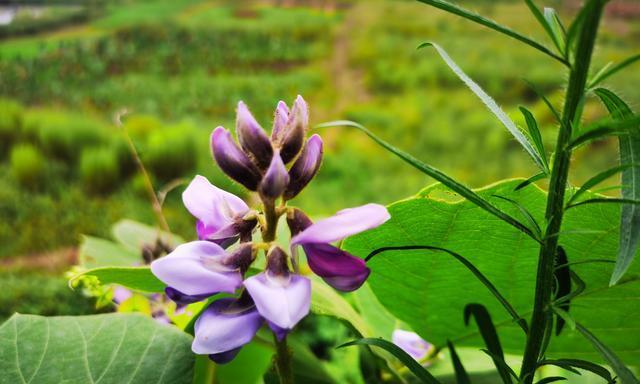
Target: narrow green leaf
(476,272)
(580,287)
(581,364)
(551,379)
(540,17)
(534,132)
(455,186)
(541,95)
(138,278)
(489,103)
(618,366)
(461,374)
(489,335)
(562,275)
(501,364)
(607,200)
(597,179)
(456,10)
(566,318)
(530,180)
(558,33)
(401,355)
(597,134)
(630,214)
(526,214)
(611,70)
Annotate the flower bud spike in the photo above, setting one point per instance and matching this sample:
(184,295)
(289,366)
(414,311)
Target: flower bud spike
(253,139)
(305,167)
(280,118)
(293,135)
(275,179)
(235,163)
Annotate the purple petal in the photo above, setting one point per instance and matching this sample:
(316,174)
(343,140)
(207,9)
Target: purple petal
(212,206)
(280,119)
(343,224)
(223,327)
(235,163)
(279,332)
(224,357)
(197,268)
(284,301)
(337,268)
(275,179)
(411,343)
(222,237)
(252,137)
(184,299)
(305,167)
(121,294)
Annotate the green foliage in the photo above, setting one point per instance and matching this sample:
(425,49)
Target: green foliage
(505,256)
(90,345)
(28,166)
(99,170)
(171,152)
(11,115)
(138,278)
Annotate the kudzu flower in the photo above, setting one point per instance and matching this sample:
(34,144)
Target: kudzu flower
(411,343)
(279,166)
(337,268)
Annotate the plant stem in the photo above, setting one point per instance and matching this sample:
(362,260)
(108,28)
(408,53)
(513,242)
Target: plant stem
(283,354)
(555,202)
(283,360)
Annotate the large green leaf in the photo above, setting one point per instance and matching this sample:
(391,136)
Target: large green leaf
(138,278)
(429,290)
(113,348)
(95,252)
(134,235)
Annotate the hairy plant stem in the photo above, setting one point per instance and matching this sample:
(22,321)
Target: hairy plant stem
(283,354)
(555,202)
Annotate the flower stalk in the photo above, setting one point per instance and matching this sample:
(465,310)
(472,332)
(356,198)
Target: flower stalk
(558,183)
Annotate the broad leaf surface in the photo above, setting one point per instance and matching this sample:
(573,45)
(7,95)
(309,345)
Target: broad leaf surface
(134,235)
(138,278)
(428,290)
(95,252)
(112,348)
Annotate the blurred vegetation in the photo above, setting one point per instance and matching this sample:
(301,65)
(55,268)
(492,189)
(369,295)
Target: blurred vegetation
(180,66)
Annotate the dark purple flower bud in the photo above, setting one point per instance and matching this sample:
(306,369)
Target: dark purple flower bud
(337,268)
(235,163)
(297,221)
(224,327)
(241,258)
(253,139)
(291,138)
(281,297)
(280,118)
(305,167)
(275,180)
(184,299)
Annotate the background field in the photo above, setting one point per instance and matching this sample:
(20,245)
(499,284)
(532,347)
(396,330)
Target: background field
(180,66)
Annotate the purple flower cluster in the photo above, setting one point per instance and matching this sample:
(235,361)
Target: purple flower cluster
(276,167)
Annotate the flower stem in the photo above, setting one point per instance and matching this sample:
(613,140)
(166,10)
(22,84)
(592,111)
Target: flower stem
(271,221)
(555,202)
(283,361)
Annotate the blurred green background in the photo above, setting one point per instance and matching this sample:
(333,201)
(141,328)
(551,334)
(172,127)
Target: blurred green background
(180,66)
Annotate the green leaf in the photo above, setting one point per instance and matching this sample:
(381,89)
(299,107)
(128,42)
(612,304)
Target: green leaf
(551,379)
(530,180)
(428,291)
(597,179)
(533,224)
(401,355)
(582,364)
(611,70)
(601,200)
(455,186)
(111,348)
(562,275)
(478,275)
(134,235)
(138,278)
(629,154)
(534,132)
(558,33)
(541,95)
(540,17)
(618,366)
(490,104)
(461,374)
(566,318)
(95,252)
(255,355)
(456,10)
(489,335)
